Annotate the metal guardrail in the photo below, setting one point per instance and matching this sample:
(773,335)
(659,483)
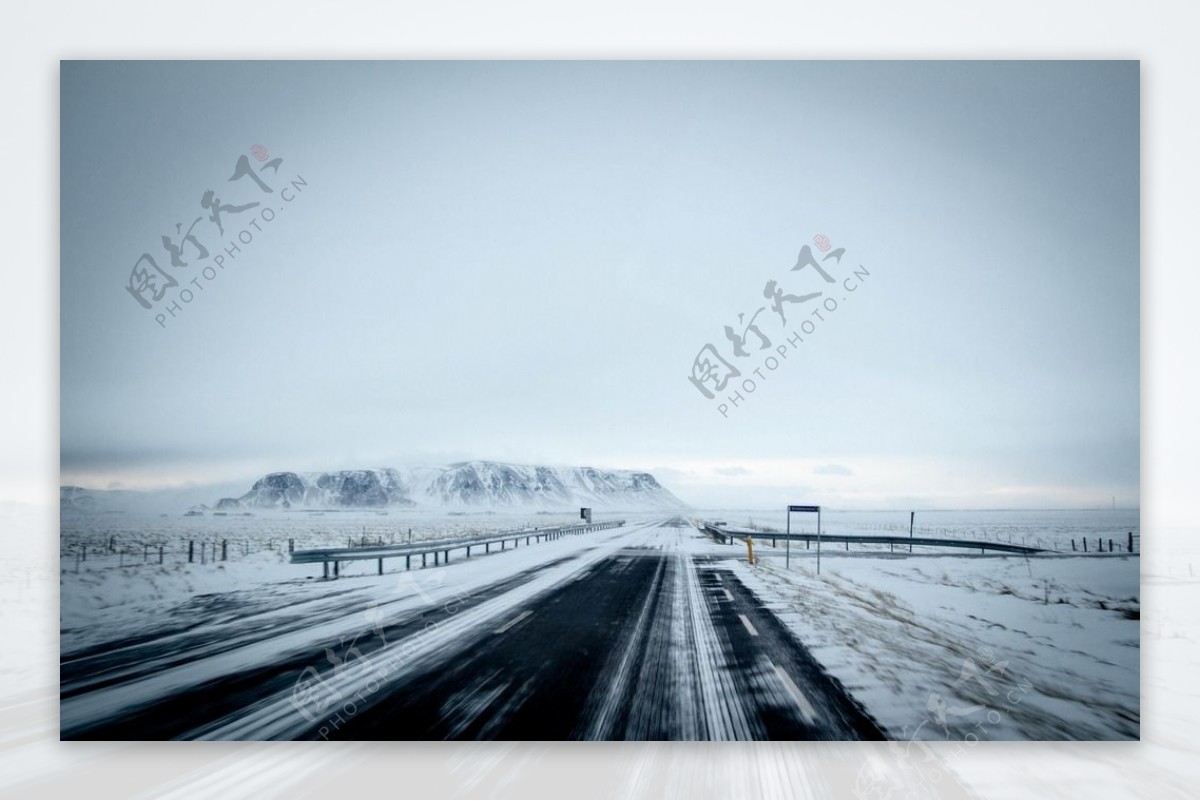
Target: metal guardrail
(439,549)
(728,535)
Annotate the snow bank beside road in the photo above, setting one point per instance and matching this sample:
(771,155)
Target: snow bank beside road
(961,648)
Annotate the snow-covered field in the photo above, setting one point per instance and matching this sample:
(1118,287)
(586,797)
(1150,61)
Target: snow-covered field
(964,647)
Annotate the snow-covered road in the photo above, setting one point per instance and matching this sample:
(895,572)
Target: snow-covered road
(635,633)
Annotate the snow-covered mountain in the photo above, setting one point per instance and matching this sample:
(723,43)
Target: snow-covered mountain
(350,489)
(464,485)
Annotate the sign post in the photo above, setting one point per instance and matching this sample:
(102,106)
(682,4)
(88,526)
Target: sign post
(794,508)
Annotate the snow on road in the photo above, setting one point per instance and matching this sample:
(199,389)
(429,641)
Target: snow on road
(934,647)
(342,610)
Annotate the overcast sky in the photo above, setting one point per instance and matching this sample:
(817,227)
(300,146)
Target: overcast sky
(521,261)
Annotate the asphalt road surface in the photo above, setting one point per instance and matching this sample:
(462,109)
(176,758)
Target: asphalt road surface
(640,634)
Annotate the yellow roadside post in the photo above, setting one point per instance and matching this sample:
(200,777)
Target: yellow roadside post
(750,549)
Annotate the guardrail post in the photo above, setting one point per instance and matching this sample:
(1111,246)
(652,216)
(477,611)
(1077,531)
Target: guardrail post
(1084,544)
(1072,543)
(325,570)
(381,565)
(1131,542)
(191,551)
(224,550)
(487,547)
(436,558)
(468,551)
(1110,545)
(160,554)
(337,569)
(446,560)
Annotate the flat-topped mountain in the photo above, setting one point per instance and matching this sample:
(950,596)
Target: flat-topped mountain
(463,485)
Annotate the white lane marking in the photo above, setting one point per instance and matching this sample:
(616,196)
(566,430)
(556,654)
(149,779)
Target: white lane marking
(728,597)
(806,709)
(514,621)
(749,626)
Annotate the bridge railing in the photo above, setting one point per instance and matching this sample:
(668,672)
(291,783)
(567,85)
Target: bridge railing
(440,550)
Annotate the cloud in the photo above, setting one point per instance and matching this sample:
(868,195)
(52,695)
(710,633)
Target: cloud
(736,470)
(832,470)
(668,473)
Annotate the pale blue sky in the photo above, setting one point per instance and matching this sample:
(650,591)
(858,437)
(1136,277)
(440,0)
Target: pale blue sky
(519,261)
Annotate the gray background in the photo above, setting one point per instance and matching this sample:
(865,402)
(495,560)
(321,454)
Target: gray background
(35,764)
